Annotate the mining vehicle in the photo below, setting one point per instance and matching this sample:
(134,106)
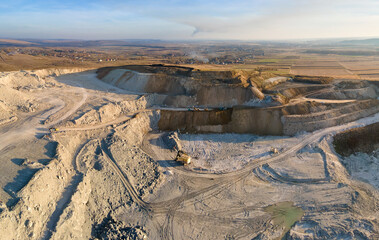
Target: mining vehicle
(183,157)
(53,129)
(274,150)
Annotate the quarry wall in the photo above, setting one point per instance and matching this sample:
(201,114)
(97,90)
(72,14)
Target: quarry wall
(310,122)
(283,120)
(181,91)
(226,90)
(236,120)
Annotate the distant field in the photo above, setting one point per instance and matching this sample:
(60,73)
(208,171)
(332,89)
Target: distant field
(364,68)
(11,41)
(369,76)
(28,62)
(319,68)
(325,64)
(278,61)
(361,64)
(320,72)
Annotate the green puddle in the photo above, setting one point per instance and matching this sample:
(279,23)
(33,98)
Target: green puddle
(285,214)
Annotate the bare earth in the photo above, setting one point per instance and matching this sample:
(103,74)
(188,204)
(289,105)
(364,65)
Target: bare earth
(108,171)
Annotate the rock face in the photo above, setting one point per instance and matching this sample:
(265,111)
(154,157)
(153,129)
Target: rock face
(285,120)
(335,116)
(191,121)
(227,91)
(364,139)
(184,87)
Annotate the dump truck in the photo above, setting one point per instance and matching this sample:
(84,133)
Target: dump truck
(183,157)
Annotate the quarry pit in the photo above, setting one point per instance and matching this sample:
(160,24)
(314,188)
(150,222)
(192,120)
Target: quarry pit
(90,154)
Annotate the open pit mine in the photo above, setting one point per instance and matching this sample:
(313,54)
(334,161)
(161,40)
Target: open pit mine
(168,152)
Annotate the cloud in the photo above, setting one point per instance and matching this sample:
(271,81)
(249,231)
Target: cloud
(178,19)
(287,19)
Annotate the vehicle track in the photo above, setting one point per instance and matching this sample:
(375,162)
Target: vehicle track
(121,119)
(222,180)
(133,194)
(32,125)
(66,195)
(226,179)
(266,173)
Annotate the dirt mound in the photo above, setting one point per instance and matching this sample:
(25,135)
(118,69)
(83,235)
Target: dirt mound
(144,82)
(219,77)
(363,139)
(14,100)
(313,79)
(119,230)
(155,68)
(271,82)
(6,114)
(142,170)
(172,141)
(111,111)
(17,89)
(352,85)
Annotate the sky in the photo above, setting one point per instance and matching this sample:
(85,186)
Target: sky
(189,20)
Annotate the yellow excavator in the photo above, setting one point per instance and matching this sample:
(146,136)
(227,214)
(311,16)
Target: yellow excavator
(274,150)
(53,129)
(183,157)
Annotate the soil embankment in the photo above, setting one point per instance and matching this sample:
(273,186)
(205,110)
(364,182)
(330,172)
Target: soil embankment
(332,115)
(183,87)
(282,109)
(233,120)
(282,120)
(363,139)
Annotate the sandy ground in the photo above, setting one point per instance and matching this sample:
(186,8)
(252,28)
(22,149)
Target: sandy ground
(107,172)
(230,152)
(364,167)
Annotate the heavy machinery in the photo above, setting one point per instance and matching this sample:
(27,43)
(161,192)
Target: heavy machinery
(274,150)
(183,157)
(53,129)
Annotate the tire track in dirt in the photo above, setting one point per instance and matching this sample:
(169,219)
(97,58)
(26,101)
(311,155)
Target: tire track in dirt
(66,196)
(33,125)
(133,194)
(223,182)
(230,178)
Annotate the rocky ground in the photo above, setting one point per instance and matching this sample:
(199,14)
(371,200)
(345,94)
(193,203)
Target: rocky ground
(106,171)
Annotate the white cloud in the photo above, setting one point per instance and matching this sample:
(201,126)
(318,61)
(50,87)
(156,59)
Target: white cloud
(288,19)
(175,19)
